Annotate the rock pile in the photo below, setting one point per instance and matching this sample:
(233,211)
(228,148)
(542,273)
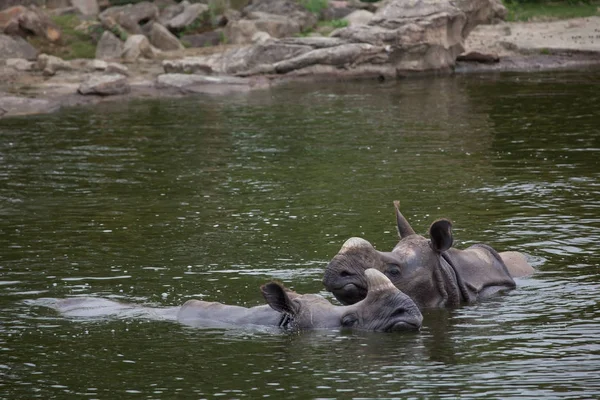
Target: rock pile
(266,39)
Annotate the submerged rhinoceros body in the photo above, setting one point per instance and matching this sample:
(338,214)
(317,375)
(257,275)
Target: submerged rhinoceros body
(385,308)
(431,272)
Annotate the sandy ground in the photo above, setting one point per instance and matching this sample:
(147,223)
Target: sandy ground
(530,46)
(508,39)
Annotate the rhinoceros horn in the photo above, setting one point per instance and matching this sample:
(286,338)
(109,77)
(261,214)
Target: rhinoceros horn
(404,228)
(354,243)
(377,281)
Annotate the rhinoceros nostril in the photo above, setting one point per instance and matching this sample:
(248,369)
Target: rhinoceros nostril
(398,312)
(345,274)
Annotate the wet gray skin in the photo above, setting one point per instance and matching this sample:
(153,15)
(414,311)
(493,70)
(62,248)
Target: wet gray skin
(430,271)
(385,308)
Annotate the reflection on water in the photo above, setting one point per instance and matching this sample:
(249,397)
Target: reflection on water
(158,202)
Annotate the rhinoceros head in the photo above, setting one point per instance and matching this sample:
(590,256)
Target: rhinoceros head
(385,308)
(412,266)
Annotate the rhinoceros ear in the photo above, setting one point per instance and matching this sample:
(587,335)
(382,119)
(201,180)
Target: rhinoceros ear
(277,297)
(440,233)
(404,228)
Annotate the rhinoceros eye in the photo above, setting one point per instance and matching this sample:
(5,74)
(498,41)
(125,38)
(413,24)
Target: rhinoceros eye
(392,270)
(349,320)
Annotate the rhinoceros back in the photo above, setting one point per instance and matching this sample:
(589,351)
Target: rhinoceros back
(480,272)
(205,313)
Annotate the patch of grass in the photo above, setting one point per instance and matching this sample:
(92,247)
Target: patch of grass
(325,27)
(119,32)
(222,38)
(315,6)
(73,43)
(305,33)
(531,11)
(338,23)
(217,7)
(195,27)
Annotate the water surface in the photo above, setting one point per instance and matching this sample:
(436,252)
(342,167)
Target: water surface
(156,202)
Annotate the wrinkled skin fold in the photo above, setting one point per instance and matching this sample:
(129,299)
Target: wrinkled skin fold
(430,271)
(385,308)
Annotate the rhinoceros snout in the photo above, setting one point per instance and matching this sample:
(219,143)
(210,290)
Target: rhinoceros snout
(336,278)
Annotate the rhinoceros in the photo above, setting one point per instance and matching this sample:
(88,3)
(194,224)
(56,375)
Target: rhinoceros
(385,308)
(430,271)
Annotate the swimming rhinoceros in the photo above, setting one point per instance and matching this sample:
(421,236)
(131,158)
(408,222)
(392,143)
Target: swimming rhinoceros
(428,270)
(385,308)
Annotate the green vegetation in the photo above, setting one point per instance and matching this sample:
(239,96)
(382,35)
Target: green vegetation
(326,27)
(195,27)
(76,40)
(208,20)
(217,7)
(335,23)
(524,10)
(315,6)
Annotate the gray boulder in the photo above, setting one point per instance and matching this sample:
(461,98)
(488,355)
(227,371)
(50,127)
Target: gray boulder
(261,38)
(420,35)
(401,37)
(259,57)
(129,17)
(212,38)
(161,38)
(137,46)
(141,12)
(15,105)
(499,12)
(20,64)
(50,65)
(16,47)
(109,47)
(341,56)
(87,65)
(105,85)
(186,83)
(87,8)
(287,8)
(278,26)
(117,68)
(335,11)
(98,65)
(171,11)
(188,65)
(28,21)
(186,17)
(315,42)
(359,17)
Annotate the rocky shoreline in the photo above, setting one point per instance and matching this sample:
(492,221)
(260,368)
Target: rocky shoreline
(444,39)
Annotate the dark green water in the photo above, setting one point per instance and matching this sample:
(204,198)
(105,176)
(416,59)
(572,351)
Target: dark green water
(157,202)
